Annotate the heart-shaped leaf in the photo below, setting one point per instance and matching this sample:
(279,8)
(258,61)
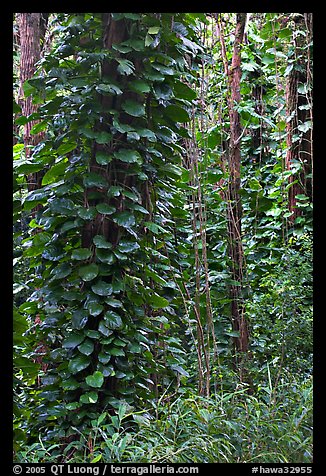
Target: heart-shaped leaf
(102,288)
(105,256)
(79,363)
(86,347)
(95,380)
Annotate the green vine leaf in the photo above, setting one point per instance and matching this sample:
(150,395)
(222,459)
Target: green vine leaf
(95,380)
(133,108)
(81,254)
(88,272)
(125,219)
(105,209)
(100,242)
(79,363)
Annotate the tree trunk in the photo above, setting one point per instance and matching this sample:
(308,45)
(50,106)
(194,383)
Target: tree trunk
(32,28)
(299,109)
(234,208)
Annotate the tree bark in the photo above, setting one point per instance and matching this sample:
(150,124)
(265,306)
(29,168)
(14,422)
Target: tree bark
(234,208)
(32,27)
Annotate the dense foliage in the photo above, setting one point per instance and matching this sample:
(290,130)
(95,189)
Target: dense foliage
(124,337)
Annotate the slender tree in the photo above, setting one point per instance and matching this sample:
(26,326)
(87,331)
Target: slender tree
(234,208)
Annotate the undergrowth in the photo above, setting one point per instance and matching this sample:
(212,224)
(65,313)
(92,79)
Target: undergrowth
(272,426)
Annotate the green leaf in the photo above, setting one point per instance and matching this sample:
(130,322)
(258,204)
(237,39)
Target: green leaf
(79,319)
(171,169)
(104,358)
(97,458)
(125,219)
(139,86)
(121,48)
(28,89)
(141,420)
(81,254)
(125,66)
(232,333)
(70,384)
(87,213)
(105,209)
(56,171)
(113,302)
(127,155)
(139,208)
(177,113)
(95,380)
(114,191)
(66,147)
(94,308)
(147,133)
(105,256)
(95,180)
(154,227)
(108,88)
(133,108)
(92,334)
(104,329)
(132,195)
(79,363)
(89,397)
(128,246)
(61,271)
(100,242)
(153,30)
(73,340)
(116,351)
(305,126)
(180,370)
(183,91)
(103,137)
(113,320)
(158,302)
(39,127)
(254,184)
(166,70)
(103,158)
(62,206)
(86,347)
(88,272)
(102,288)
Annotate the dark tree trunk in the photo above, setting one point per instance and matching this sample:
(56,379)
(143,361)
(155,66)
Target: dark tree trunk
(299,109)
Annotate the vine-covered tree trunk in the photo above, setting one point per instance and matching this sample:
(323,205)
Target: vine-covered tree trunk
(299,113)
(234,208)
